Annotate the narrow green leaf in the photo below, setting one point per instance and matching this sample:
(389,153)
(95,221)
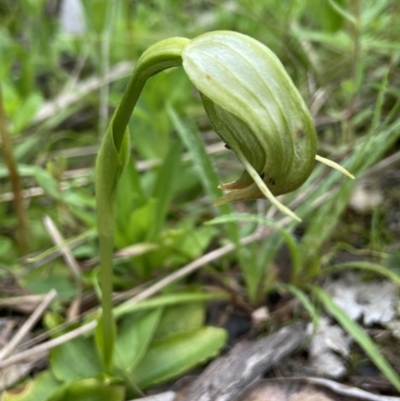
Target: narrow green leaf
(342,11)
(48,183)
(53,252)
(371,13)
(378,106)
(360,336)
(286,234)
(256,267)
(193,142)
(242,217)
(166,300)
(341,40)
(366,266)
(26,112)
(164,189)
(134,336)
(130,195)
(137,223)
(176,354)
(24,170)
(96,14)
(305,301)
(196,241)
(324,222)
(324,15)
(191,138)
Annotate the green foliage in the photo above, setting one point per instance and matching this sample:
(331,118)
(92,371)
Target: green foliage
(157,340)
(134,336)
(89,390)
(44,278)
(253,274)
(166,300)
(64,361)
(330,15)
(191,138)
(96,14)
(342,58)
(169,357)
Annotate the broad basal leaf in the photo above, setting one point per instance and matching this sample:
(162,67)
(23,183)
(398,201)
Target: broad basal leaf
(176,354)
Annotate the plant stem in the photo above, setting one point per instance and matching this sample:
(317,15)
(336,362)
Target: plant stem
(161,56)
(22,230)
(110,163)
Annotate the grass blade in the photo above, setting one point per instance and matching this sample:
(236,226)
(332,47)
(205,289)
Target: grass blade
(366,266)
(305,301)
(164,188)
(192,140)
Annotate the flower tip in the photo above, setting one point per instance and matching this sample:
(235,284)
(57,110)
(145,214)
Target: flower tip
(334,165)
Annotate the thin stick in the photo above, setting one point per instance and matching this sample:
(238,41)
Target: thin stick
(58,240)
(83,88)
(42,348)
(23,299)
(27,326)
(336,387)
(70,261)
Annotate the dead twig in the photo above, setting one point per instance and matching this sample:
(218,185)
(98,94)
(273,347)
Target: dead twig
(348,391)
(69,260)
(227,378)
(27,326)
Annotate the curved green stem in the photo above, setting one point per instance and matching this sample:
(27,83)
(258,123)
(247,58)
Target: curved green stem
(112,158)
(159,57)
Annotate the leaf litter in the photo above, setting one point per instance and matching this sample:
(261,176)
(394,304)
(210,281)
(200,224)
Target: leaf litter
(373,302)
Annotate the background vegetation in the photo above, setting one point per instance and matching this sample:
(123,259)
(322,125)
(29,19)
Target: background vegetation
(59,88)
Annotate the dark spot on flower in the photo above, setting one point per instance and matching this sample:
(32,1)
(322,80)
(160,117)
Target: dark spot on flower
(272,182)
(299,133)
(208,77)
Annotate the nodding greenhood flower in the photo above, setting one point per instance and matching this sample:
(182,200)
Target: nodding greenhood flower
(256,109)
